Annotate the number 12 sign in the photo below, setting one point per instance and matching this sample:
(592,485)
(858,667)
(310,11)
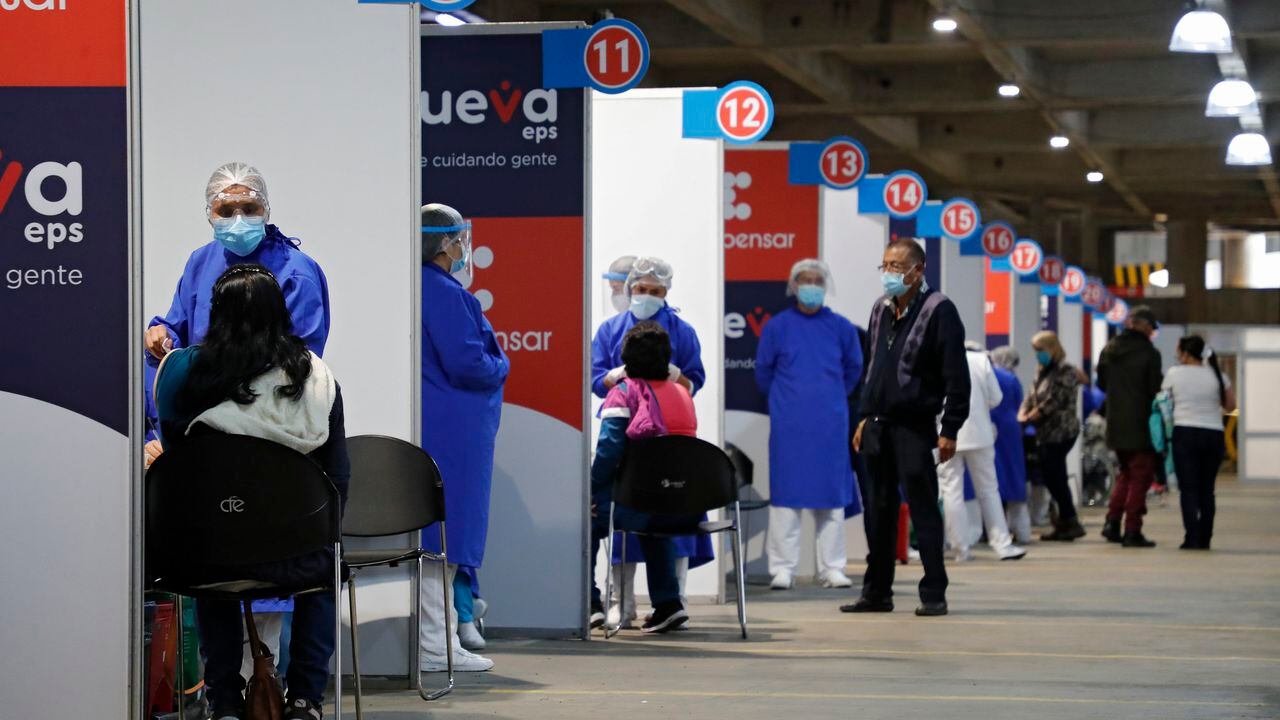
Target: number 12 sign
(1026,257)
(744,112)
(904,194)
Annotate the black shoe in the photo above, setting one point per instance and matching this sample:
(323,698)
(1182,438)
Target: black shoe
(865,605)
(597,615)
(1062,533)
(1111,530)
(1137,539)
(932,609)
(665,619)
(299,709)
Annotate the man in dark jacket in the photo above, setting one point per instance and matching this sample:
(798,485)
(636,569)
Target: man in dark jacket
(1129,371)
(917,370)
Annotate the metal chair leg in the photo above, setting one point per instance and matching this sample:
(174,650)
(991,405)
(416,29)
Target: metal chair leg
(337,631)
(179,679)
(739,569)
(355,646)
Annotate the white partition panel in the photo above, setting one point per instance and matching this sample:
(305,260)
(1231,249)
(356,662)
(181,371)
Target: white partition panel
(964,281)
(853,245)
(656,193)
(274,86)
(1071,335)
(1259,438)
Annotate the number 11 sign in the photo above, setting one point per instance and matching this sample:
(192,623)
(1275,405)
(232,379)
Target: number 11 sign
(611,56)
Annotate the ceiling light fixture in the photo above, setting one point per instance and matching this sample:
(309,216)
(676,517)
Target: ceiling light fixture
(1009,90)
(1093,176)
(1231,98)
(1201,31)
(944,24)
(449,20)
(1059,141)
(1159,278)
(1249,148)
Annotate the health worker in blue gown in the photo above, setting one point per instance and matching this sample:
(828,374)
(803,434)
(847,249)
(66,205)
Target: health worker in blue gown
(646,288)
(239,210)
(1011,462)
(808,363)
(463,372)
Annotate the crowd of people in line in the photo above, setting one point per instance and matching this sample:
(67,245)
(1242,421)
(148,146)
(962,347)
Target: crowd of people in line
(905,411)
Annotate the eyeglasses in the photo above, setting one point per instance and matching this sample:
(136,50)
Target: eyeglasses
(228,205)
(897,267)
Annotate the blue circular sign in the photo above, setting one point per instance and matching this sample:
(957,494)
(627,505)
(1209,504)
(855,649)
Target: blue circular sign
(445,6)
(842,163)
(904,194)
(744,112)
(616,56)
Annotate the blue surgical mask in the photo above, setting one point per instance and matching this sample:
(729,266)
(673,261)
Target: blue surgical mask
(240,235)
(893,284)
(646,306)
(811,296)
(460,264)
(1043,357)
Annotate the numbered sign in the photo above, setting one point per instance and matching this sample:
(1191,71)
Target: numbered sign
(744,113)
(842,163)
(610,56)
(1073,282)
(1094,293)
(960,218)
(1051,271)
(446,5)
(1118,312)
(998,239)
(904,194)
(1026,257)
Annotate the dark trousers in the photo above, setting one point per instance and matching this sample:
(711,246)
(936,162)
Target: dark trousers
(905,459)
(866,491)
(659,552)
(1129,496)
(1197,455)
(1053,471)
(310,648)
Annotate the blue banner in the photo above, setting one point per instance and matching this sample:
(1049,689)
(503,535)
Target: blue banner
(871,195)
(803,163)
(929,219)
(748,305)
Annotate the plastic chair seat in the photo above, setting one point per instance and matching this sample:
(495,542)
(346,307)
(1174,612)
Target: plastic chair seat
(392,556)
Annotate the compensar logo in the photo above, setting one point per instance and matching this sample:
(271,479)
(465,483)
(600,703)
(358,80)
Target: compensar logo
(35,5)
(737,210)
(538,109)
(51,189)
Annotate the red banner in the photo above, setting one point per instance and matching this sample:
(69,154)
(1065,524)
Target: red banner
(769,223)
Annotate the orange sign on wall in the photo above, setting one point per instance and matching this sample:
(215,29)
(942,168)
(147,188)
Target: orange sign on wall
(769,223)
(63,43)
(999,288)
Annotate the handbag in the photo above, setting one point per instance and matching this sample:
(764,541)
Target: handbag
(262,699)
(646,414)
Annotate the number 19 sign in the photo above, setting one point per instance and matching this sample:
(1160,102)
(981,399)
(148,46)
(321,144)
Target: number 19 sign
(1073,282)
(611,56)
(1026,257)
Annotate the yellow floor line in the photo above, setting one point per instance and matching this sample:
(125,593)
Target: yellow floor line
(858,651)
(1045,623)
(860,696)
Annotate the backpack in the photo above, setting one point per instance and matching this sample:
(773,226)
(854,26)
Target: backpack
(646,414)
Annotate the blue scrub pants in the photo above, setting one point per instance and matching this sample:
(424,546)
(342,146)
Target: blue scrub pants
(310,649)
(463,601)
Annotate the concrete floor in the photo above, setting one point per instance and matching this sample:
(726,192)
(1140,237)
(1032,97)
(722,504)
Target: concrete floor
(1083,630)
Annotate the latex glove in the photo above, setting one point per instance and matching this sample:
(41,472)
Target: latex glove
(158,341)
(673,373)
(613,376)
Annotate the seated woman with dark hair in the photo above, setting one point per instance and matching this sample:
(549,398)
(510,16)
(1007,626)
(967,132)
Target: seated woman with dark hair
(646,354)
(252,376)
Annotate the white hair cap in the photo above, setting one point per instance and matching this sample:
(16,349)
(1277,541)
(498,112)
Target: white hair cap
(236,173)
(650,267)
(810,265)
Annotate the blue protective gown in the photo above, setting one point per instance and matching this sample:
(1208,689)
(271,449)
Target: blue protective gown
(686,354)
(463,371)
(1011,463)
(306,295)
(807,365)
(606,347)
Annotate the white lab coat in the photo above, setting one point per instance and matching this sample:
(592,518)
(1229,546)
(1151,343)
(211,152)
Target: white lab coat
(984,395)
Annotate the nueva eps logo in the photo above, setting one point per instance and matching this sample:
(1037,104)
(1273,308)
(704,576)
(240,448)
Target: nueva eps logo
(736,324)
(71,203)
(539,108)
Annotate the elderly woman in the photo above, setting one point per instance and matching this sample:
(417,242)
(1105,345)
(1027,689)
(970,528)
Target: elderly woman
(251,375)
(463,372)
(1011,463)
(646,286)
(1051,407)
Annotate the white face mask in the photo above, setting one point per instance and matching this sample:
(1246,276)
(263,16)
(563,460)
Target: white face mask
(646,306)
(620,302)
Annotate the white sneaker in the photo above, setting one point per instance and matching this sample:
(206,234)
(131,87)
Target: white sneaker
(1011,552)
(913,554)
(835,579)
(783,581)
(615,618)
(964,555)
(463,661)
(470,636)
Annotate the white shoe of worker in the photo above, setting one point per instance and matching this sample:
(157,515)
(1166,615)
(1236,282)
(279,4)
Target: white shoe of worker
(470,637)
(783,581)
(463,661)
(627,594)
(1011,552)
(981,463)
(616,619)
(783,542)
(835,579)
(963,555)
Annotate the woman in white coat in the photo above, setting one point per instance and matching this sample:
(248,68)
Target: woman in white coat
(975,450)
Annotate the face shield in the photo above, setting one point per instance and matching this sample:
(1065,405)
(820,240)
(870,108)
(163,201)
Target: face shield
(613,294)
(225,207)
(456,244)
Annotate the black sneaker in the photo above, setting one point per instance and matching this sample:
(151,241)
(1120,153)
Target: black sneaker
(867,605)
(300,709)
(665,620)
(1137,540)
(597,615)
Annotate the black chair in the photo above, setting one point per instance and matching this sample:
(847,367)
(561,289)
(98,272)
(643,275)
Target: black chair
(679,475)
(396,489)
(219,505)
(745,469)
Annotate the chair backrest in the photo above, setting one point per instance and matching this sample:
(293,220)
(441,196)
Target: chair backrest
(234,501)
(395,488)
(742,465)
(674,474)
